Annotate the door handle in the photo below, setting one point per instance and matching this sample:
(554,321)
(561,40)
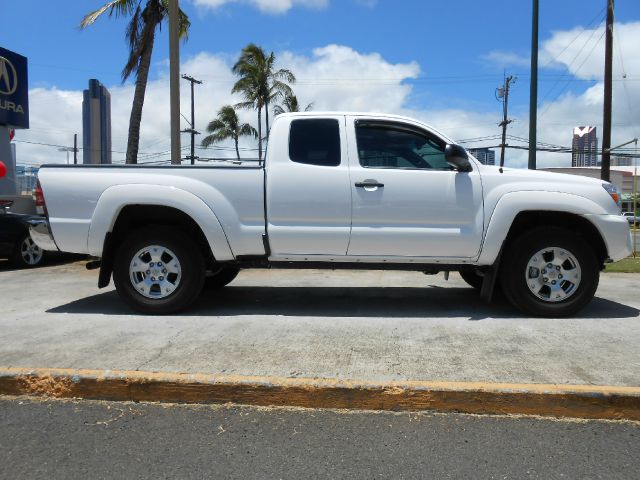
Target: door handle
(369,184)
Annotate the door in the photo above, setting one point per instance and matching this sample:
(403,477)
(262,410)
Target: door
(406,199)
(308,193)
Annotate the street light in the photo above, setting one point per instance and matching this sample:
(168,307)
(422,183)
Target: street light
(66,149)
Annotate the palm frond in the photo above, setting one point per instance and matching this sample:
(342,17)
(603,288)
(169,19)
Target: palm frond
(118,8)
(134,29)
(284,75)
(215,138)
(246,105)
(184,22)
(247,130)
(215,125)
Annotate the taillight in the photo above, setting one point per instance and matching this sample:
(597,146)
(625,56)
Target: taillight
(41,206)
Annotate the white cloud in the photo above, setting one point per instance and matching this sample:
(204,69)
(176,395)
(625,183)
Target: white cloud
(337,77)
(506,59)
(267,6)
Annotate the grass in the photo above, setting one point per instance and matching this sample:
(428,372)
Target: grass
(626,265)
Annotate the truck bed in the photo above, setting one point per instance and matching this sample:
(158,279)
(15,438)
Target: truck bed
(235,192)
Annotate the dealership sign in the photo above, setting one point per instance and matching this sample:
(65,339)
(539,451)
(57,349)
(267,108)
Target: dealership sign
(14,90)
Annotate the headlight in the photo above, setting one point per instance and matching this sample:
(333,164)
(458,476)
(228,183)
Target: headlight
(613,192)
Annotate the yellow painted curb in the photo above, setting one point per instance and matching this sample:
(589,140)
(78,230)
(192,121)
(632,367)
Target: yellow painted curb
(578,401)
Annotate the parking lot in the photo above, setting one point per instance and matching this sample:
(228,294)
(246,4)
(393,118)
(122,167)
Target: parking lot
(374,326)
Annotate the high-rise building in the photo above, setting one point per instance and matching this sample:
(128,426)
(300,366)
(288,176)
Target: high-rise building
(484,155)
(96,124)
(584,148)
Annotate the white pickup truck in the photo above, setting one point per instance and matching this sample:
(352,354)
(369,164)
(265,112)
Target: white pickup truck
(337,190)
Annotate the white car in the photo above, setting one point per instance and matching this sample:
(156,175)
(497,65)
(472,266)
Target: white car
(631,218)
(338,190)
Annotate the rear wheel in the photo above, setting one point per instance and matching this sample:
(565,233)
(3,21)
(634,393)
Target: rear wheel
(26,253)
(158,270)
(221,277)
(549,272)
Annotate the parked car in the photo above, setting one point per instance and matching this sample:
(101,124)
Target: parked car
(631,218)
(16,243)
(338,190)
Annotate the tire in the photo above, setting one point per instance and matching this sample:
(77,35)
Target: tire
(221,277)
(549,272)
(153,259)
(472,278)
(26,253)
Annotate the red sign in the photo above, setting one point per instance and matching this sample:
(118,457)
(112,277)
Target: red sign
(3,169)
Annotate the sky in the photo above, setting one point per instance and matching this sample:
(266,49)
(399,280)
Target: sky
(439,62)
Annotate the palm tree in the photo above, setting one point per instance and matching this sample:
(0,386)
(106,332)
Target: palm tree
(227,125)
(146,16)
(290,104)
(260,84)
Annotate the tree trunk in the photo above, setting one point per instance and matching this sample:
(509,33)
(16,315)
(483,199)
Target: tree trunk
(142,75)
(237,151)
(266,113)
(259,132)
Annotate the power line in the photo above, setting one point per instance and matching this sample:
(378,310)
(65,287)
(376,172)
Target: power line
(568,68)
(576,72)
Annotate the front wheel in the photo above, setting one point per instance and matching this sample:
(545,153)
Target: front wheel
(549,272)
(158,270)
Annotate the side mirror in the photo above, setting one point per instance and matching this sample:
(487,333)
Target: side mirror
(457,157)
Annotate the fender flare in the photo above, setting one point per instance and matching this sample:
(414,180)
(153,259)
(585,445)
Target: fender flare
(511,204)
(115,198)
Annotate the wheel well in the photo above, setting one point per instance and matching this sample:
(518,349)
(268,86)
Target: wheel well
(527,220)
(133,217)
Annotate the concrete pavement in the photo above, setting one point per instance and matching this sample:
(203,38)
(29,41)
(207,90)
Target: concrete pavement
(343,325)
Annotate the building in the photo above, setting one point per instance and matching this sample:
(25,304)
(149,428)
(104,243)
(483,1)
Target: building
(584,147)
(484,155)
(96,124)
(26,179)
(621,161)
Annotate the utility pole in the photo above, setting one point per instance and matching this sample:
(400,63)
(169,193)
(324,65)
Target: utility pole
(533,92)
(635,198)
(606,117)
(503,93)
(75,148)
(192,130)
(174,80)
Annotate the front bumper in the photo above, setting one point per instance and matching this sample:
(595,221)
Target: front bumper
(616,234)
(41,233)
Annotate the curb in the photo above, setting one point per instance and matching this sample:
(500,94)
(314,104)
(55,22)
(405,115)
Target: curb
(578,401)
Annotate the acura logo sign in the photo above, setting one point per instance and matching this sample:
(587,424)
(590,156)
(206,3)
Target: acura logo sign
(8,77)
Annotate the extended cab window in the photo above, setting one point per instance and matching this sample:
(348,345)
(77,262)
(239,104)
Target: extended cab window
(394,145)
(315,141)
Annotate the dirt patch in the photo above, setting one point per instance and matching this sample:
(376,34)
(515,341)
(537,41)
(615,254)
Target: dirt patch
(46,385)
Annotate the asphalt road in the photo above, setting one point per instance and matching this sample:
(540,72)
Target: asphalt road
(67,440)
